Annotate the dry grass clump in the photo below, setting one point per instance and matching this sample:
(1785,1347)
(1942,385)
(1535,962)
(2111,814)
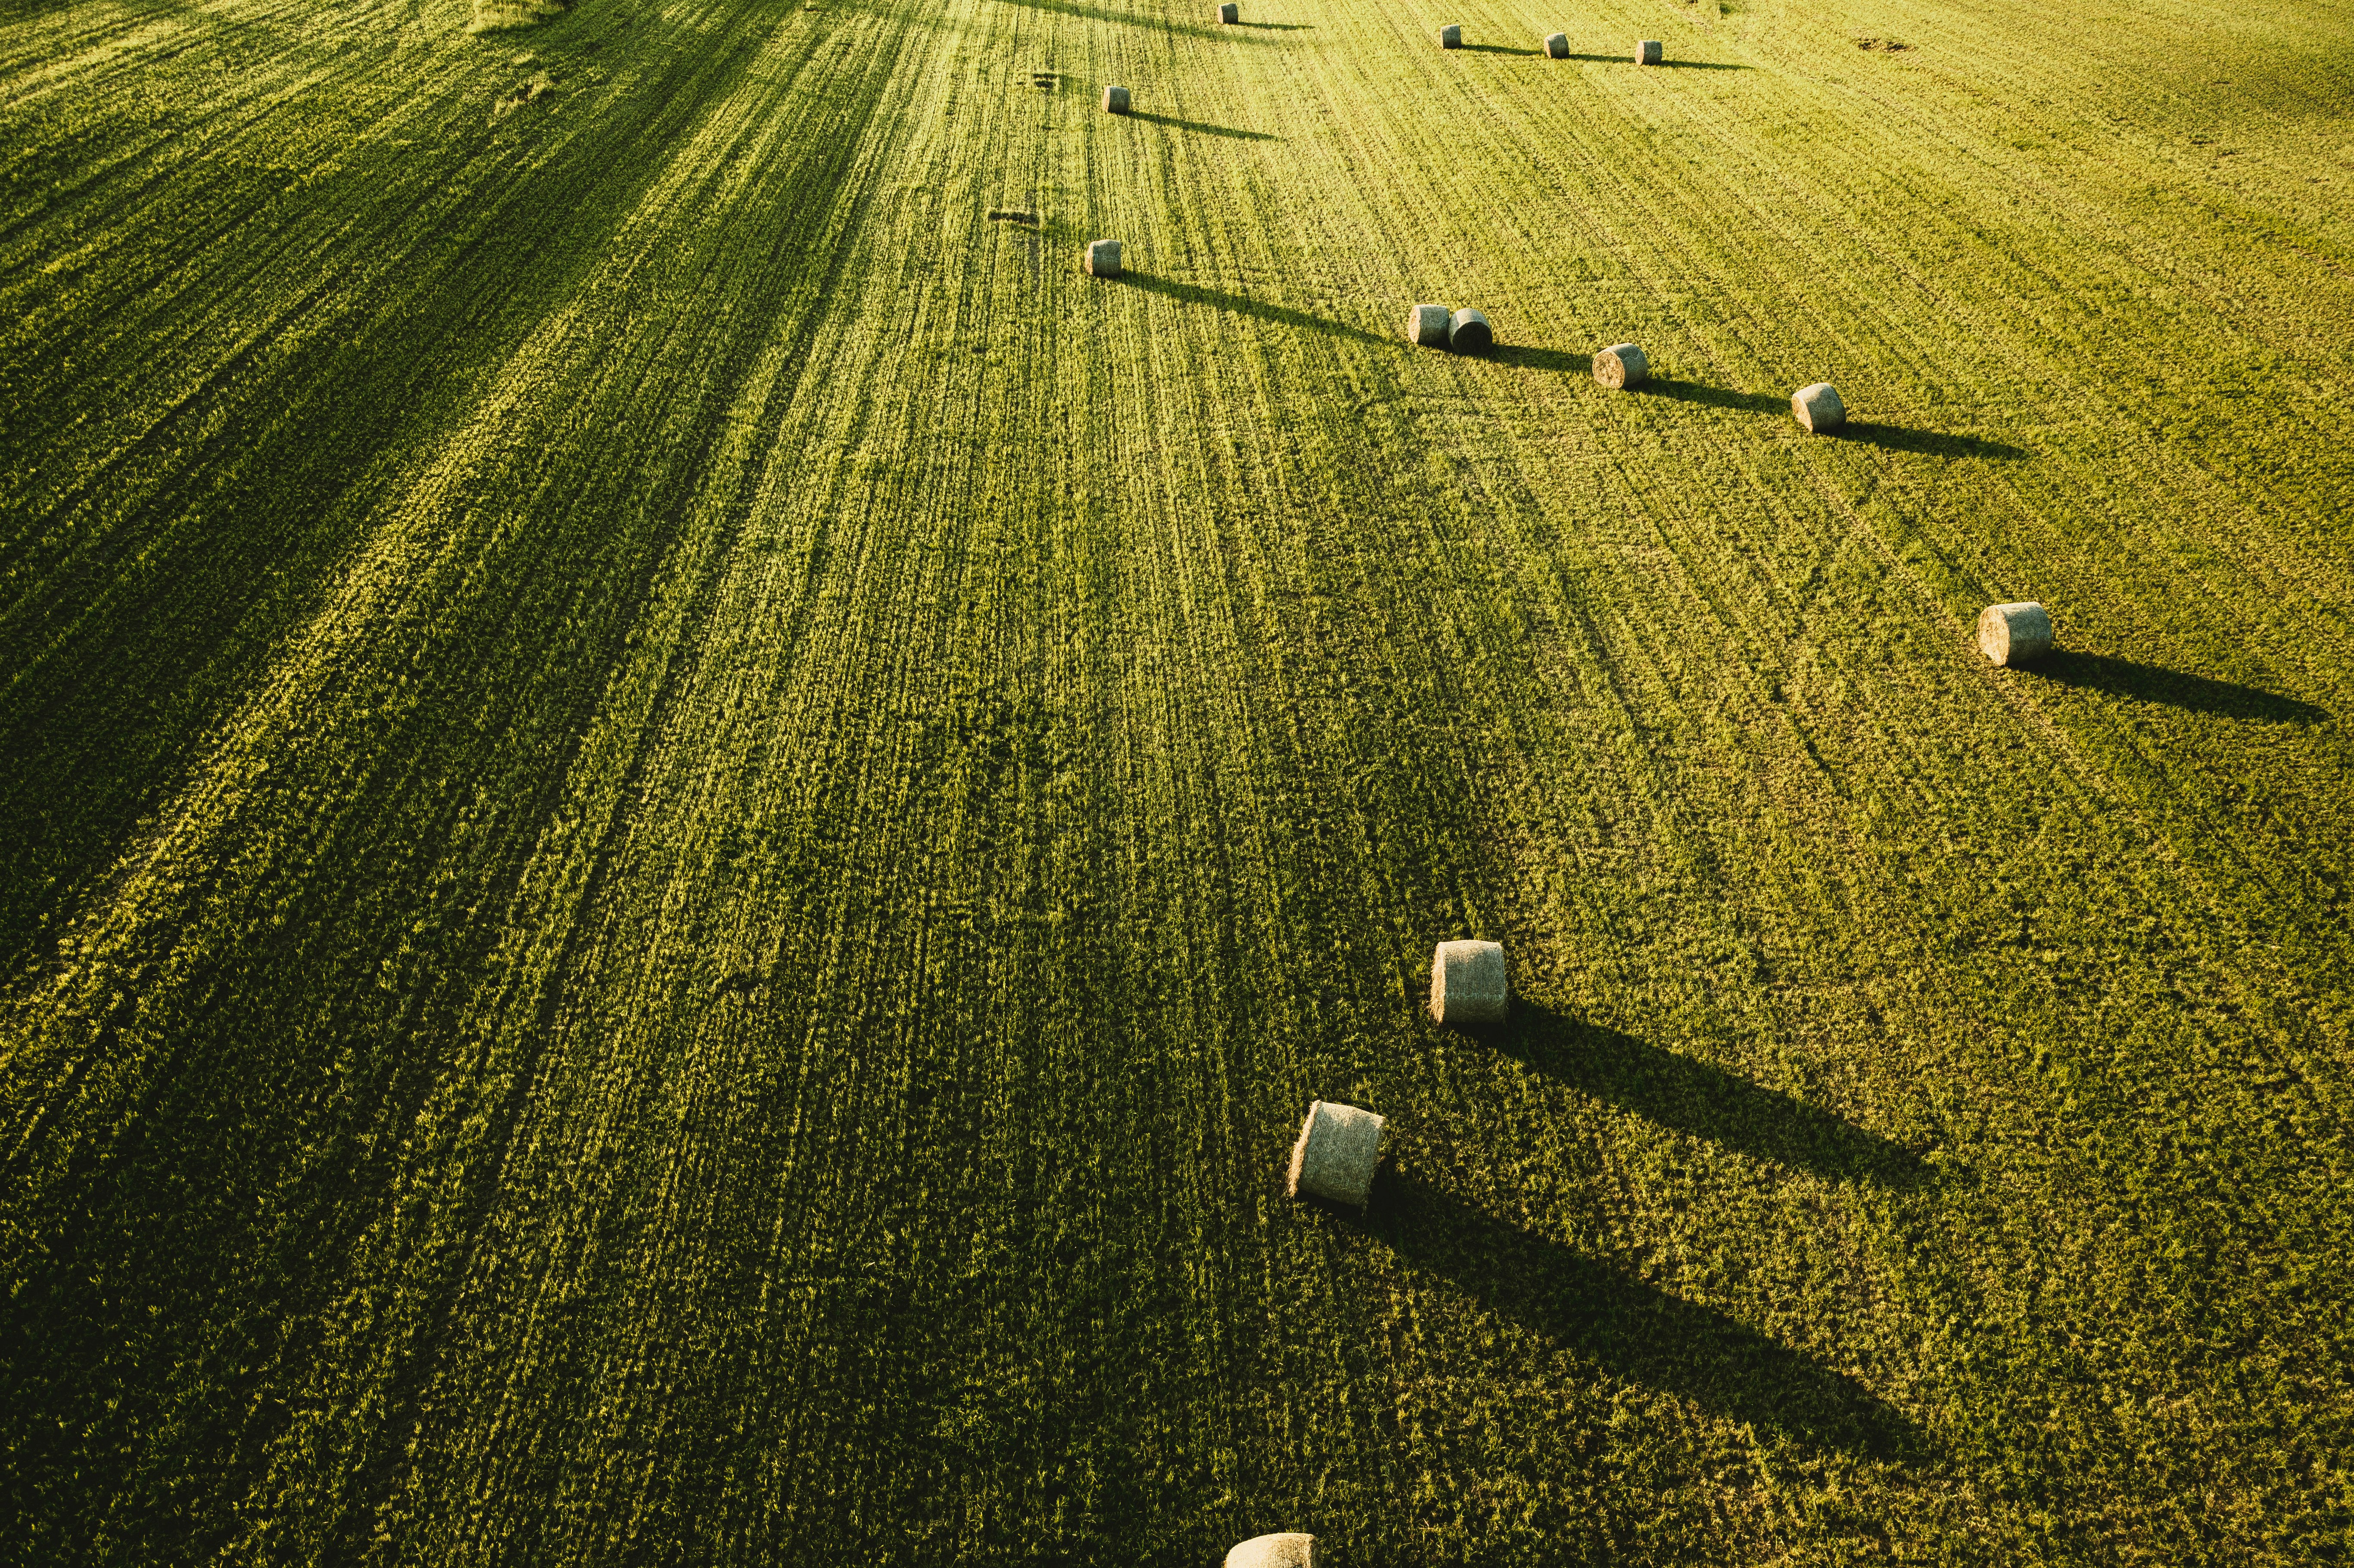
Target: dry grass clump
(538,86)
(497,15)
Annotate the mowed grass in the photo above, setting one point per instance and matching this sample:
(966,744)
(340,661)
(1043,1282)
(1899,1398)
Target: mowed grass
(681,828)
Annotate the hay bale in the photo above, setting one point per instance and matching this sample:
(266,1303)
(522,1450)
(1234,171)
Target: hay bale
(1467,983)
(1468,332)
(1819,407)
(1620,365)
(1229,14)
(2014,633)
(1103,258)
(1339,1147)
(1426,325)
(1115,101)
(1450,36)
(1290,1550)
(1647,52)
(1557,46)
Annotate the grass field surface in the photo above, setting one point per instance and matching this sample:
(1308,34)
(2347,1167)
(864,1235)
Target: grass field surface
(683,827)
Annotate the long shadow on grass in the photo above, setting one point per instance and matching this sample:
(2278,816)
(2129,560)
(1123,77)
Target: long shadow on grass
(1205,127)
(1936,443)
(2175,688)
(1556,359)
(1104,14)
(1634,1329)
(1689,1096)
(1715,397)
(1495,49)
(1277,26)
(1242,304)
(1663,65)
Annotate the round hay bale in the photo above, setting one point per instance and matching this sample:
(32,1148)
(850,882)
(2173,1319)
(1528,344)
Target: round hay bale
(1468,332)
(1230,13)
(1450,36)
(1115,101)
(1620,365)
(1468,984)
(2014,633)
(1290,1550)
(1426,325)
(1103,258)
(1339,1147)
(1818,406)
(1557,46)
(1647,52)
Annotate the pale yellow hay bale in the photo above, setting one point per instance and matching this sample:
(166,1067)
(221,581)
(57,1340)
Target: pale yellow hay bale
(1467,983)
(1817,407)
(1621,365)
(1115,101)
(1649,52)
(1450,36)
(1103,258)
(1334,1159)
(2014,633)
(1426,325)
(1557,46)
(1290,1550)
(1468,332)
(1230,13)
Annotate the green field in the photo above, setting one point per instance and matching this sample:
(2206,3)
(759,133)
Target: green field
(683,827)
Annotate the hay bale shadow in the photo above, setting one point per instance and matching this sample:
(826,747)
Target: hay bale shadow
(1693,1096)
(1204,128)
(2172,688)
(1633,1328)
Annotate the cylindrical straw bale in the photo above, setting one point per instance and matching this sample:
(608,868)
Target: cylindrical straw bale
(1467,983)
(2014,633)
(1647,52)
(1290,1550)
(1230,13)
(1450,36)
(1103,258)
(1620,365)
(1557,46)
(1818,406)
(1115,101)
(1468,332)
(1339,1147)
(1426,324)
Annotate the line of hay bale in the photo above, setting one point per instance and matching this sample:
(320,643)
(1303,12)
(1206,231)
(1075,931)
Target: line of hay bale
(1335,1157)
(1468,984)
(1818,406)
(1647,52)
(1556,46)
(1115,101)
(1450,36)
(1426,325)
(1103,258)
(1289,1549)
(1468,332)
(1621,365)
(2014,633)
